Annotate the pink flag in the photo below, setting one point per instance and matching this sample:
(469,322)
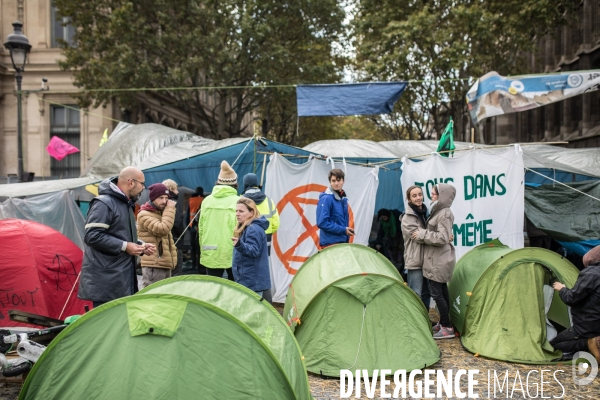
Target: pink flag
(59,149)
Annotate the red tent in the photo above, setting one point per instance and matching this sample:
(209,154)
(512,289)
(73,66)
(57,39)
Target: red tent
(39,269)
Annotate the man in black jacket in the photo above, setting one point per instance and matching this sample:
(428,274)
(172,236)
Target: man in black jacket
(111,242)
(584,300)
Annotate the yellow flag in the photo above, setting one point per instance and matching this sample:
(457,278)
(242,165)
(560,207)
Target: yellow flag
(104,138)
(93,189)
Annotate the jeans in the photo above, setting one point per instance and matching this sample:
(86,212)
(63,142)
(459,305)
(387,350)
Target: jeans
(259,293)
(439,292)
(218,272)
(418,283)
(568,341)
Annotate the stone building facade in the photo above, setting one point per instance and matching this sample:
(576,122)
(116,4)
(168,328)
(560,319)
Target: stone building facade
(576,120)
(55,112)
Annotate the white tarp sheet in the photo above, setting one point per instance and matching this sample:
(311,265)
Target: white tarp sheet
(295,189)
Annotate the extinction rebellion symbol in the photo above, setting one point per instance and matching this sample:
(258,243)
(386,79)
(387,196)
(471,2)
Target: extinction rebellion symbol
(298,198)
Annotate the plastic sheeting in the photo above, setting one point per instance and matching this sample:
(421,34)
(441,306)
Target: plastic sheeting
(574,161)
(562,213)
(56,210)
(41,187)
(130,145)
(539,157)
(348,98)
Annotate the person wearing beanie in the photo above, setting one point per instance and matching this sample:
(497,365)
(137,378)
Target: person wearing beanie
(266,207)
(264,204)
(179,224)
(227,176)
(217,223)
(155,222)
(584,300)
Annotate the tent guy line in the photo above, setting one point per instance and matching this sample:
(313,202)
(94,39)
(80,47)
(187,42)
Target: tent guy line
(551,179)
(78,109)
(472,147)
(182,88)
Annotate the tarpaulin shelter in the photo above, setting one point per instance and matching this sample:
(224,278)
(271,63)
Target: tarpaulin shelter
(57,210)
(503,304)
(575,218)
(350,309)
(541,162)
(194,161)
(364,98)
(39,268)
(222,343)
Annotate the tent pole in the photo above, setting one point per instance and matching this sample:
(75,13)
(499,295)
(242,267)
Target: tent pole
(254,171)
(262,174)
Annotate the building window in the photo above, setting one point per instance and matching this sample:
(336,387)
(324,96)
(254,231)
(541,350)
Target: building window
(61,28)
(64,123)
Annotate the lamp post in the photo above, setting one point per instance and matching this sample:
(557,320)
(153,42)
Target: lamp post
(18,46)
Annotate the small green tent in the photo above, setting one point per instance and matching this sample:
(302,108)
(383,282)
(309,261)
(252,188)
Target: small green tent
(190,337)
(501,299)
(350,309)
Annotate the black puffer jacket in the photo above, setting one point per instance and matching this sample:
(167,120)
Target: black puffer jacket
(107,272)
(584,300)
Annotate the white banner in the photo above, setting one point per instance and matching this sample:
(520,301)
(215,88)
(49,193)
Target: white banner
(493,94)
(295,188)
(489,201)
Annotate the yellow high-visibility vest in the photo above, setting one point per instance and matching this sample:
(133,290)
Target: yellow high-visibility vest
(269,211)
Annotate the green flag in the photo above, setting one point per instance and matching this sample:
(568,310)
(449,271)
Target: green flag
(447,140)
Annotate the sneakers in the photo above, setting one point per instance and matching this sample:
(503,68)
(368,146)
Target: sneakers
(444,333)
(594,347)
(436,328)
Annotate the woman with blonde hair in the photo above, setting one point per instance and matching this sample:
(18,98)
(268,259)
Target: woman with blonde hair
(250,254)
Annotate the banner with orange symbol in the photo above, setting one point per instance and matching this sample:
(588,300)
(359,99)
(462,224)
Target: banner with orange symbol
(295,189)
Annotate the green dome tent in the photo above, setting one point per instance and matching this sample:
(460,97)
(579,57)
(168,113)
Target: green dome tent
(350,309)
(189,337)
(502,301)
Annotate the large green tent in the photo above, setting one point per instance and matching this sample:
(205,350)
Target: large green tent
(350,309)
(499,303)
(183,338)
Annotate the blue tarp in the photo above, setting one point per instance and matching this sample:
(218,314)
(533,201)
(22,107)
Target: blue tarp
(580,248)
(348,99)
(203,169)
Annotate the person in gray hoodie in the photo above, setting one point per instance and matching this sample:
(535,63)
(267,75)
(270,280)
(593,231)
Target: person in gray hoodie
(439,256)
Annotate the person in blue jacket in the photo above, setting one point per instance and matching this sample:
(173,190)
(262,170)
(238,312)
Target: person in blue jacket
(250,253)
(332,212)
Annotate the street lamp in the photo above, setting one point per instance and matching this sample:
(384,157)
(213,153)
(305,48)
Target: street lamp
(18,46)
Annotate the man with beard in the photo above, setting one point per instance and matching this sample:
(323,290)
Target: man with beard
(111,242)
(155,222)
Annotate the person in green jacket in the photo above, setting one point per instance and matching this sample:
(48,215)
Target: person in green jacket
(217,223)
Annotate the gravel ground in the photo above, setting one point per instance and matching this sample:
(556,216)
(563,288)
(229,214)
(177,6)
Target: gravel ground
(455,357)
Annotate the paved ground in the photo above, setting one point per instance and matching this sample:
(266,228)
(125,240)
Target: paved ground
(455,357)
